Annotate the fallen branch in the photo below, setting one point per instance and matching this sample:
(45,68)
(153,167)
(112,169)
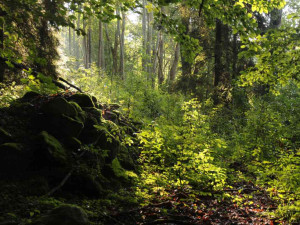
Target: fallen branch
(71,85)
(21,66)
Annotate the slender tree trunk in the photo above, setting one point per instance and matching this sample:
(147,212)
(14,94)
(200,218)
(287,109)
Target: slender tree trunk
(122,39)
(110,46)
(101,59)
(235,56)
(149,44)
(173,69)
(89,44)
(116,44)
(70,41)
(74,47)
(218,59)
(144,38)
(155,57)
(218,53)
(2,62)
(85,47)
(161,59)
(77,47)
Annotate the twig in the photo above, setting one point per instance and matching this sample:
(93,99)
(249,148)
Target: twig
(61,183)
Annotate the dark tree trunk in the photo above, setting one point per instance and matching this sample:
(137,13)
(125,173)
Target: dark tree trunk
(173,69)
(2,62)
(186,65)
(234,56)
(218,53)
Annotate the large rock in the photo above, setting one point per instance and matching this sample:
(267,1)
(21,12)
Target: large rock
(64,215)
(13,160)
(50,150)
(83,100)
(59,106)
(29,96)
(4,136)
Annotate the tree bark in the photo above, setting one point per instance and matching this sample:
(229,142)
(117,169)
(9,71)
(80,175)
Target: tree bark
(149,44)
(161,59)
(186,66)
(218,53)
(235,56)
(85,47)
(101,60)
(122,52)
(155,57)
(116,44)
(70,41)
(2,62)
(77,47)
(144,38)
(89,44)
(173,69)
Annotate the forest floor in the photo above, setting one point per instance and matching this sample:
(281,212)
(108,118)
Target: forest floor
(245,204)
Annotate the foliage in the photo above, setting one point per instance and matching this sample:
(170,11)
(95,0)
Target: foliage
(276,54)
(179,155)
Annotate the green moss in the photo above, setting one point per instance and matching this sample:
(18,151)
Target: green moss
(118,169)
(12,147)
(60,106)
(64,215)
(77,107)
(83,100)
(70,127)
(53,148)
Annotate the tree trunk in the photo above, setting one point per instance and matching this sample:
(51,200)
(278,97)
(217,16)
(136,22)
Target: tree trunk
(85,47)
(115,49)
(144,38)
(2,62)
(173,69)
(186,66)
(149,44)
(101,60)
(218,60)
(235,56)
(275,20)
(122,39)
(89,44)
(161,59)
(70,42)
(77,47)
(74,47)
(110,46)
(218,53)
(155,57)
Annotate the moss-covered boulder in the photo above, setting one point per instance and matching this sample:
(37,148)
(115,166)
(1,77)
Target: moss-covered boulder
(50,150)
(83,100)
(29,96)
(13,159)
(5,136)
(59,106)
(70,126)
(94,112)
(64,215)
(72,143)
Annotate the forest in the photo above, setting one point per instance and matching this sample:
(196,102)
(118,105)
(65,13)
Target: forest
(145,112)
